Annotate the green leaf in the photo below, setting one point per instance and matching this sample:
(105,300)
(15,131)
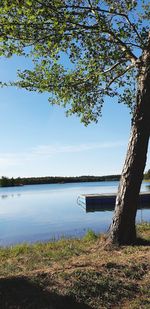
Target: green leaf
(80,55)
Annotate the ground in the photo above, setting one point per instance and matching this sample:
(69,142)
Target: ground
(79,274)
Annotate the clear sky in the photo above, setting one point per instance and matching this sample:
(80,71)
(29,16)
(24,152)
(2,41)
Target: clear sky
(37,139)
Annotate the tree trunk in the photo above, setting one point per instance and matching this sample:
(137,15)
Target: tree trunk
(122,229)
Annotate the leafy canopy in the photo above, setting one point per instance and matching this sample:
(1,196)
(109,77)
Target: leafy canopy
(102,42)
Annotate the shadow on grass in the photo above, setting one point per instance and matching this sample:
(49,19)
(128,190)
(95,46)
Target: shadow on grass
(142,242)
(21,293)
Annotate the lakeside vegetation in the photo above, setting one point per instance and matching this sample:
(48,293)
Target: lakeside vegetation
(10,182)
(76,273)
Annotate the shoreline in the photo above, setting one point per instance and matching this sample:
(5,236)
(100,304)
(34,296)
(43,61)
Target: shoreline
(76,273)
(13,182)
(19,182)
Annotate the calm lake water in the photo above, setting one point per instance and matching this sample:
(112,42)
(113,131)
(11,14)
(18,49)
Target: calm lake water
(44,212)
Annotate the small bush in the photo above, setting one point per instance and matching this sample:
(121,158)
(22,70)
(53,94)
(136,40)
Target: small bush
(90,235)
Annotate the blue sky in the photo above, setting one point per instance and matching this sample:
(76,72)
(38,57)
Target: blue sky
(39,140)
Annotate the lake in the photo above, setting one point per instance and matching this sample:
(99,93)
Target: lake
(48,212)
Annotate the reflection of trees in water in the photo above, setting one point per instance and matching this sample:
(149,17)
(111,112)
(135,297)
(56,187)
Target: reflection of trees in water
(4,196)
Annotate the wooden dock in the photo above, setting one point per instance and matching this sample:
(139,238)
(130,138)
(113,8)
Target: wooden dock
(103,202)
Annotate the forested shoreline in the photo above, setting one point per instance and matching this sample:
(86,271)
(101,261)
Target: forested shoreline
(19,181)
(11,182)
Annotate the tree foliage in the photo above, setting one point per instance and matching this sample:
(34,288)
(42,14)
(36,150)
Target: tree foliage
(82,50)
(10,182)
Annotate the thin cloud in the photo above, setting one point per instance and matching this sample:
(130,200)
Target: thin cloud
(42,152)
(54,149)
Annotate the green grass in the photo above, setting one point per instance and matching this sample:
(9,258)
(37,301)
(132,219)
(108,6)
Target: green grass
(76,273)
(18,258)
(99,288)
(90,235)
(145,226)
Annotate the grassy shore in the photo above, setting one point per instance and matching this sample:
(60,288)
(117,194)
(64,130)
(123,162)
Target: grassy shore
(75,273)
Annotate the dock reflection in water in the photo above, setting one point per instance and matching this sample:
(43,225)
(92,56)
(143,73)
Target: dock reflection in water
(106,202)
(43,212)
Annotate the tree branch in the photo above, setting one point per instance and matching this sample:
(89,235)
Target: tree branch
(113,67)
(133,58)
(97,9)
(130,23)
(119,75)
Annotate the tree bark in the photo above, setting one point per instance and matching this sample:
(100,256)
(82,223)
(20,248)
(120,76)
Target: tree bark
(122,229)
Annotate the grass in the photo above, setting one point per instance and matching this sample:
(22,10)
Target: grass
(76,274)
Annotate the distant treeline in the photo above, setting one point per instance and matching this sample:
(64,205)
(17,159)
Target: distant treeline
(147,175)
(11,182)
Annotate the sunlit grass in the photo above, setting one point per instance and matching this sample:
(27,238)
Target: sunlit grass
(83,269)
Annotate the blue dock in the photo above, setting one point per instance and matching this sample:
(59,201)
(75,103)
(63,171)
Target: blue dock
(103,202)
